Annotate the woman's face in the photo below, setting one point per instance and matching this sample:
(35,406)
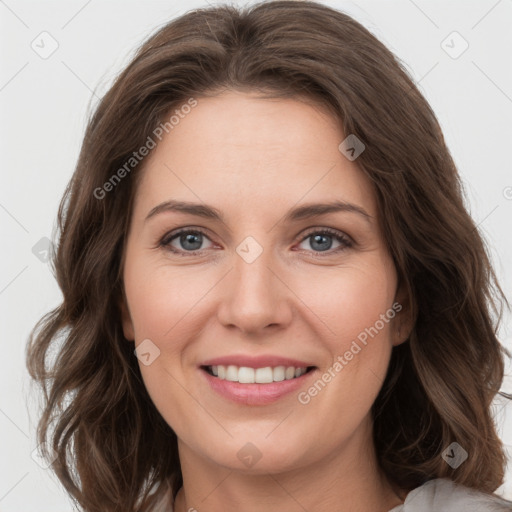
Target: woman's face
(263,289)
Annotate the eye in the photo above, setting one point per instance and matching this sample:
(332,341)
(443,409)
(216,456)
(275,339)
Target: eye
(190,241)
(321,240)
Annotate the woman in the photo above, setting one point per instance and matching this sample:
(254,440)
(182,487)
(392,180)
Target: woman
(263,368)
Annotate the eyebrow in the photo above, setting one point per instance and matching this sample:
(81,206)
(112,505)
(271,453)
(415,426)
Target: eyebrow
(300,213)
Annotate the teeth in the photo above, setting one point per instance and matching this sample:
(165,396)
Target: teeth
(278,373)
(246,375)
(289,373)
(232,373)
(263,375)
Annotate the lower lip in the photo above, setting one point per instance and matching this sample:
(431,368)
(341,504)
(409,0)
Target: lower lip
(255,394)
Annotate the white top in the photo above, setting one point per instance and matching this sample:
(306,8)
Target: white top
(444,495)
(438,495)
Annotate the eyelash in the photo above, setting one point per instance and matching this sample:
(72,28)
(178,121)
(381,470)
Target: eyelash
(340,237)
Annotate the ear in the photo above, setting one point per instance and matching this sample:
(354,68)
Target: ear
(403,322)
(126,319)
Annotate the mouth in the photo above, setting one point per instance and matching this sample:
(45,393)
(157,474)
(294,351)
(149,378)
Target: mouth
(248,375)
(256,386)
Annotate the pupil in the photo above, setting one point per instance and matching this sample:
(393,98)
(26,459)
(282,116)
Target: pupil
(318,238)
(189,238)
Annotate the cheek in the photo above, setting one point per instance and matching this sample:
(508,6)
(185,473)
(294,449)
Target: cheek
(366,309)
(349,302)
(161,301)
(356,311)
(162,298)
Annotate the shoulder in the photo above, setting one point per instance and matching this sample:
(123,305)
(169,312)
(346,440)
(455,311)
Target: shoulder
(442,494)
(436,495)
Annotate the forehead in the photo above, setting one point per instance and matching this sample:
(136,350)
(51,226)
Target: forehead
(238,149)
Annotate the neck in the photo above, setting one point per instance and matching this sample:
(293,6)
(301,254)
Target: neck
(348,479)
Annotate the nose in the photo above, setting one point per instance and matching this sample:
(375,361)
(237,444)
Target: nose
(255,297)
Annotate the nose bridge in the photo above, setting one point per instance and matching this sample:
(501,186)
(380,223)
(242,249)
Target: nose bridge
(253,280)
(256,297)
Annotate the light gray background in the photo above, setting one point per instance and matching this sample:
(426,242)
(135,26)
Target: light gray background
(43,106)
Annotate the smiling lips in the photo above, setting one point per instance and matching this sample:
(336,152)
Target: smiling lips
(255,380)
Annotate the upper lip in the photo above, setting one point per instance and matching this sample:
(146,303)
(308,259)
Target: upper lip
(255,361)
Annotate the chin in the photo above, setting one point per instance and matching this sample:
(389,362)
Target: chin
(257,455)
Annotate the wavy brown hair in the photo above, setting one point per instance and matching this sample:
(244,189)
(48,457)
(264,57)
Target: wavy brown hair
(113,447)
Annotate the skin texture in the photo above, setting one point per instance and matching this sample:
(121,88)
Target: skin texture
(254,159)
